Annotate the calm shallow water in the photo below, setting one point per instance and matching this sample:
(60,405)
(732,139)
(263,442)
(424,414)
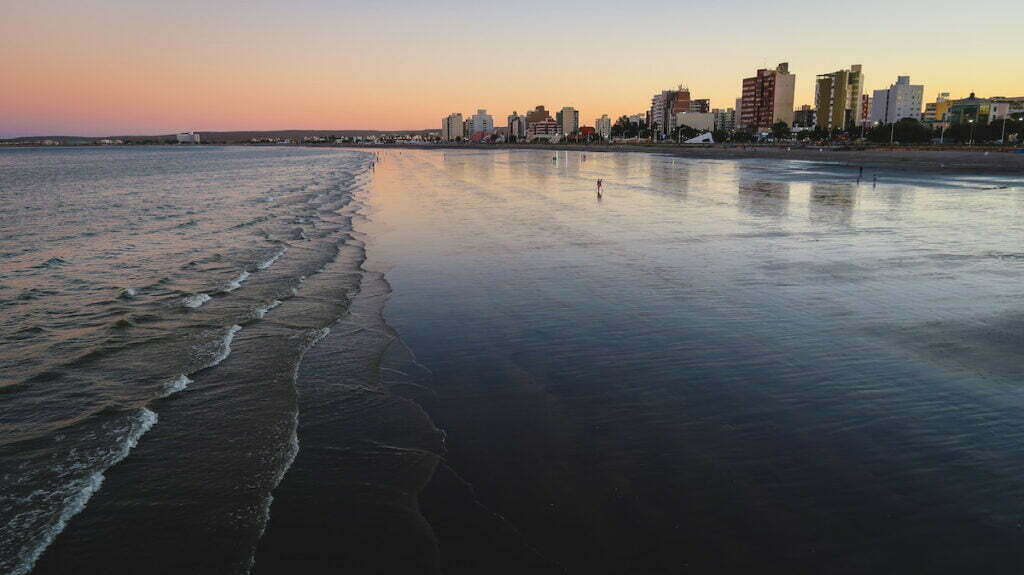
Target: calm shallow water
(719,366)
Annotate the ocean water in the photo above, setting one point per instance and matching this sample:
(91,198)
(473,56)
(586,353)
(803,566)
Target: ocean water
(154,304)
(275,360)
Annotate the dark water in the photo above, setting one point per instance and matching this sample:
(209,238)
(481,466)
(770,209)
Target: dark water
(154,305)
(464,362)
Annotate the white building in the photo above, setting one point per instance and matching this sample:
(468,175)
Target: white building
(188,138)
(481,122)
(517,126)
(603,125)
(568,120)
(451,127)
(901,100)
(704,121)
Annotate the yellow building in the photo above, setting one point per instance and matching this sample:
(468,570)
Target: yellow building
(837,97)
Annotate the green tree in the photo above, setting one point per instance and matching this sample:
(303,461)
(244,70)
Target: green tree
(781,131)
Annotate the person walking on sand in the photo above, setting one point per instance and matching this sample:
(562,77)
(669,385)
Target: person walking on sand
(599,186)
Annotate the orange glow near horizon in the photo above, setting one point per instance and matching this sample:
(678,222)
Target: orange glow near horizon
(107,67)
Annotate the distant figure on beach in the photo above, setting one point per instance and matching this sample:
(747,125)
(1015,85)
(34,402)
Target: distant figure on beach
(860,174)
(599,186)
(554,158)
(585,159)
(874,182)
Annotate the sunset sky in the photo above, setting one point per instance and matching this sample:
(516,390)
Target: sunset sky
(112,67)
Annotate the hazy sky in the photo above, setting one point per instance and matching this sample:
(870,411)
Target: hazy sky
(101,67)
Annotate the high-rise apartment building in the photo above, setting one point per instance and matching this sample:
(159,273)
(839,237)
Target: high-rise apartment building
(767,98)
(569,120)
(517,126)
(481,123)
(603,125)
(451,127)
(837,97)
(901,100)
(725,120)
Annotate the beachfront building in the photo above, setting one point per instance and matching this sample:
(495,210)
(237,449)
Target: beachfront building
(538,114)
(548,130)
(702,106)
(603,125)
(970,109)
(935,112)
(516,127)
(738,118)
(568,119)
(901,100)
(724,120)
(768,98)
(1002,107)
(665,106)
(837,97)
(451,127)
(481,123)
(704,121)
(188,138)
(804,117)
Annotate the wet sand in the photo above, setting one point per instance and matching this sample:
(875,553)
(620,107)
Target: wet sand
(979,160)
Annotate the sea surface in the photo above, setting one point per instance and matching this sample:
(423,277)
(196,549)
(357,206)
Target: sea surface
(281,360)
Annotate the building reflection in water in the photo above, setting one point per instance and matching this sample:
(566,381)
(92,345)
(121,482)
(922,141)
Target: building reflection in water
(763,198)
(832,203)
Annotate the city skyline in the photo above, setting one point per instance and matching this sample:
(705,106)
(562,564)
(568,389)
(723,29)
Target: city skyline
(108,68)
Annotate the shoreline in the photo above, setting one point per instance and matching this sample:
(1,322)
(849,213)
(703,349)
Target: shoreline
(1001,161)
(979,160)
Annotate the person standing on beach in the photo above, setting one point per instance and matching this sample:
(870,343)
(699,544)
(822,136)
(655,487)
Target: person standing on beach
(599,184)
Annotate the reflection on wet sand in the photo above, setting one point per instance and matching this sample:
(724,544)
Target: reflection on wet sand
(762,197)
(833,202)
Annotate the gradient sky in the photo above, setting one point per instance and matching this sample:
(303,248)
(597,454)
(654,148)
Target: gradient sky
(104,67)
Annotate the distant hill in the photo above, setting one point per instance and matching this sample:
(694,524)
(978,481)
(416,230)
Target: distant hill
(223,137)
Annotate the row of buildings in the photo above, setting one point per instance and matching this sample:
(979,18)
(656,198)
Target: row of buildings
(535,124)
(766,99)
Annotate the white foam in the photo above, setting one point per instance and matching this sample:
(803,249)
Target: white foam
(75,503)
(237,282)
(176,385)
(262,311)
(269,262)
(197,300)
(314,336)
(225,345)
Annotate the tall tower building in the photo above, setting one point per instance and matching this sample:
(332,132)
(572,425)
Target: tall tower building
(517,126)
(837,97)
(603,125)
(901,100)
(568,119)
(451,127)
(481,122)
(767,98)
